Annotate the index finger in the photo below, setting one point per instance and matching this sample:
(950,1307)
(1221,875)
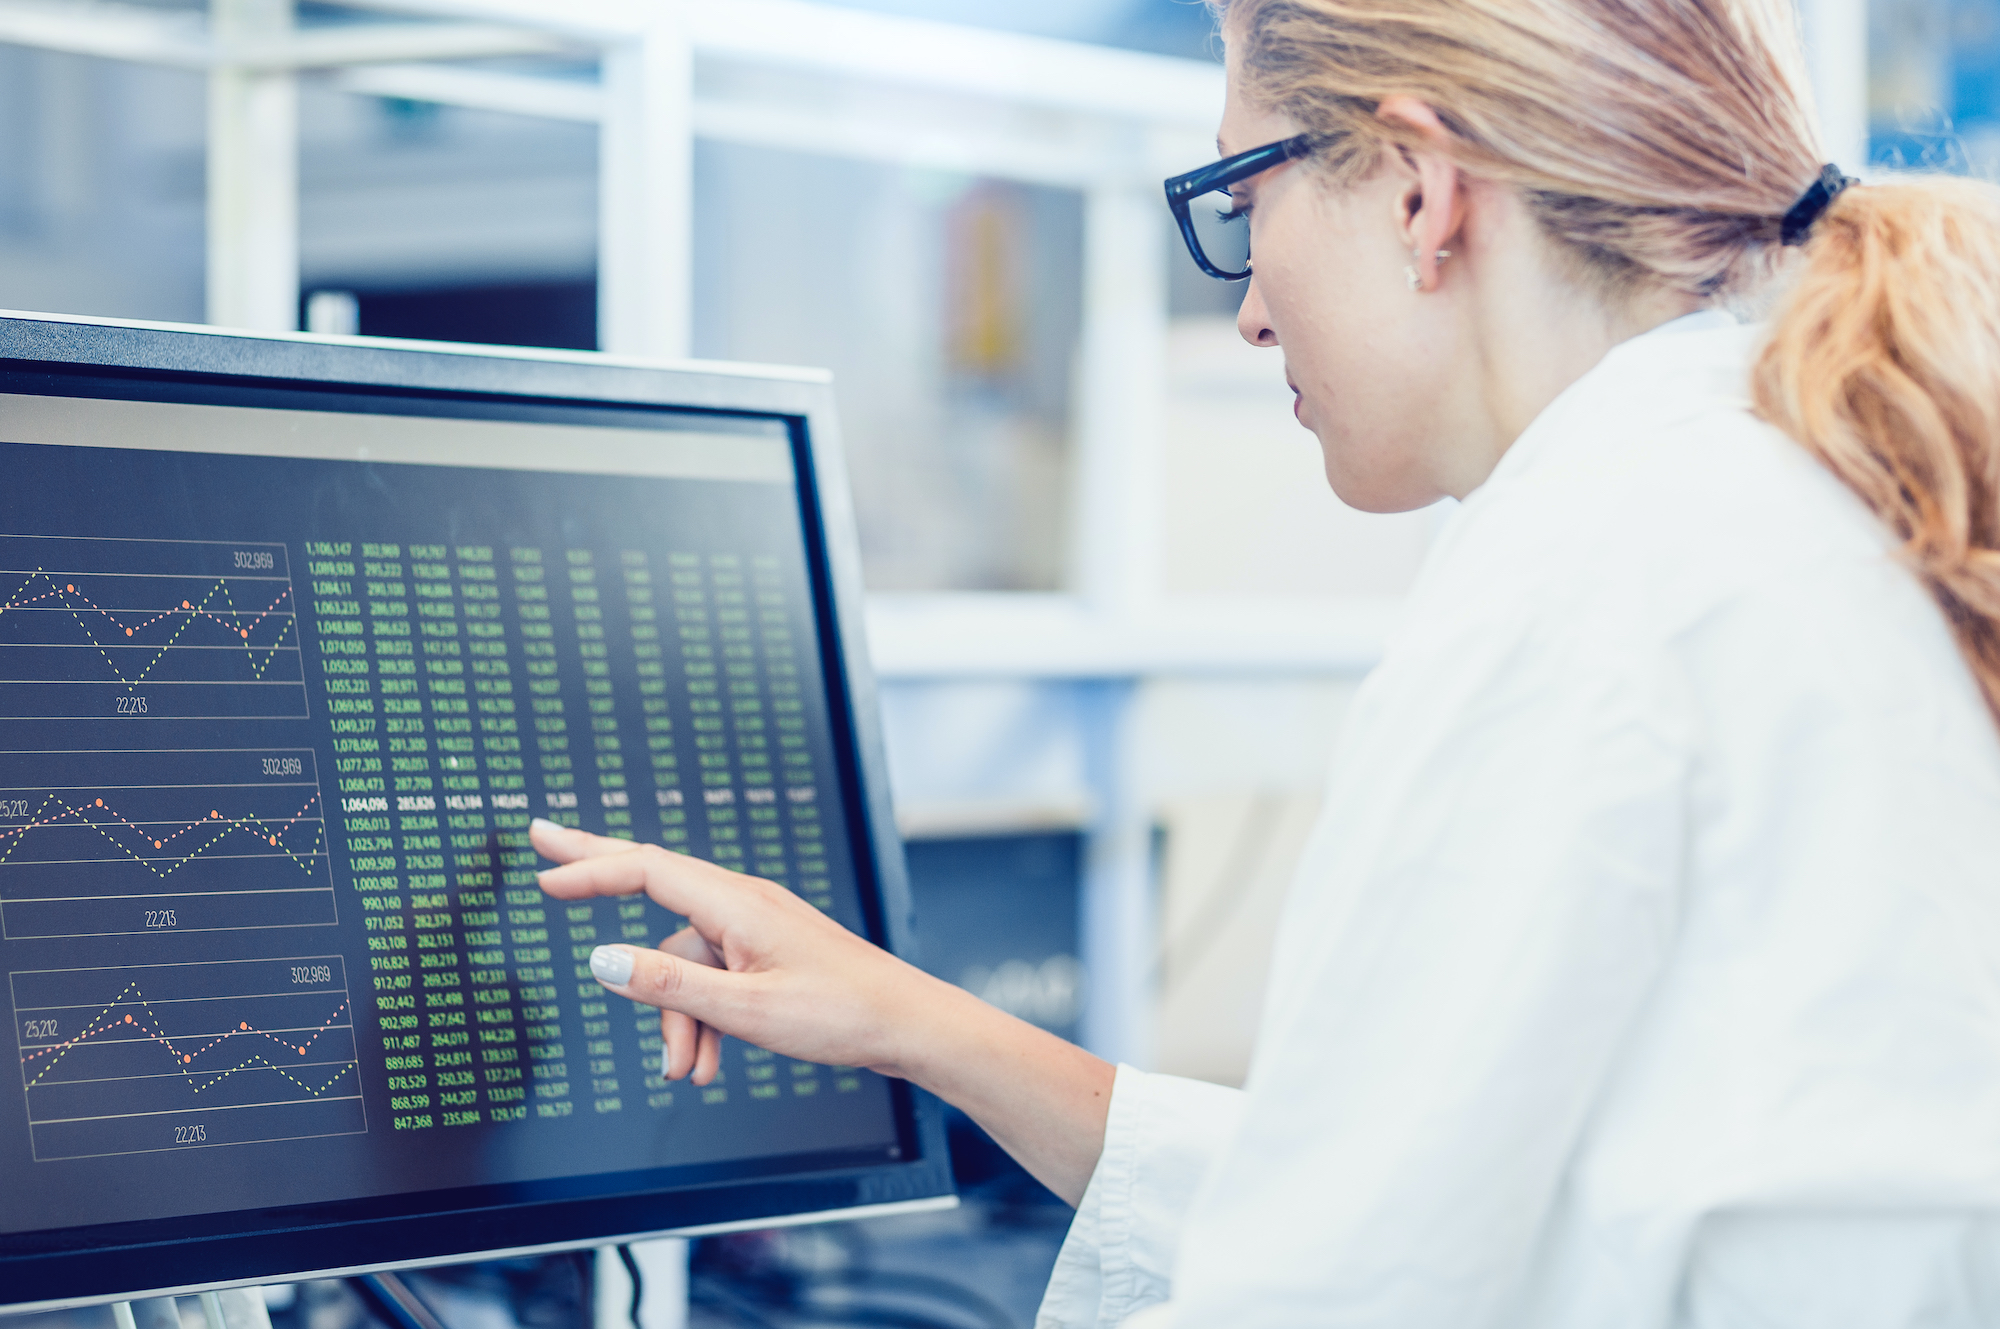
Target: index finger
(565,844)
(700,892)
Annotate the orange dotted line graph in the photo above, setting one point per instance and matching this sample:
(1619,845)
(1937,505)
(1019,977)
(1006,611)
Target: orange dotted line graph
(238,623)
(147,1025)
(54,811)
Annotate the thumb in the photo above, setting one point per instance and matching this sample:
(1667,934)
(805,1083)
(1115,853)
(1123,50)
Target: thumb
(712,996)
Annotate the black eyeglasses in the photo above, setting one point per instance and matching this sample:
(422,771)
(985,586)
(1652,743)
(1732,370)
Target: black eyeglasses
(1217,235)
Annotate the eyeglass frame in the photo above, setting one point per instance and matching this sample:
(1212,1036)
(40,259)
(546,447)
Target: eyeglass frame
(1182,190)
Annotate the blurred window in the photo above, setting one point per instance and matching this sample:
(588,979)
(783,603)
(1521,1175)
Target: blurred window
(1934,85)
(948,308)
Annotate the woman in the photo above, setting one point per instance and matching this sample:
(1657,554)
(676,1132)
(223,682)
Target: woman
(1645,968)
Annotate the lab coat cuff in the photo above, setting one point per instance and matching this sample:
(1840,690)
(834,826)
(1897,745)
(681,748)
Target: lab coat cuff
(1159,1136)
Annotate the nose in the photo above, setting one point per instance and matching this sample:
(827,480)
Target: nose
(1252,320)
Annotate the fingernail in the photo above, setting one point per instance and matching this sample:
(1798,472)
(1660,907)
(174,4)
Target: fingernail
(543,822)
(611,965)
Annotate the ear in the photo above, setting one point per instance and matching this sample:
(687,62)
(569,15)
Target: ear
(1430,211)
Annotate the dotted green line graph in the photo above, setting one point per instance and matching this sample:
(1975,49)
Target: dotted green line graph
(95,627)
(214,609)
(143,1058)
(140,1021)
(171,846)
(113,841)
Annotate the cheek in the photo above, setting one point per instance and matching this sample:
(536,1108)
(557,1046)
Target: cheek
(1349,345)
(1328,305)
(1340,347)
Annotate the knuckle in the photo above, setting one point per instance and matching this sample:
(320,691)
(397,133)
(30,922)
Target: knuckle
(653,980)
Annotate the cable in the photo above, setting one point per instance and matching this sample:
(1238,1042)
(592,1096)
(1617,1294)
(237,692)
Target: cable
(631,1263)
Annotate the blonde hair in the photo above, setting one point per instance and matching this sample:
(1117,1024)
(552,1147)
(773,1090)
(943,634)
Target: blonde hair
(1659,143)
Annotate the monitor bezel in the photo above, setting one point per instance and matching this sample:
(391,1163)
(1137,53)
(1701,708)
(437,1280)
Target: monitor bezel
(54,1269)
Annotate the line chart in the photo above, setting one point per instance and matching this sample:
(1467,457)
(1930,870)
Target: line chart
(102,843)
(148,1058)
(182,629)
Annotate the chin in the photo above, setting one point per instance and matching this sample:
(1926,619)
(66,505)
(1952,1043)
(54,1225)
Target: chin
(1378,489)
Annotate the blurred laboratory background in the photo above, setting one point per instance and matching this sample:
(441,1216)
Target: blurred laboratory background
(1116,610)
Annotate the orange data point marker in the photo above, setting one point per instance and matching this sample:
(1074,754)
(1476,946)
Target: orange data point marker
(186,605)
(213,813)
(128,632)
(158,845)
(302,1052)
(185,1059)
(274,839)
(70,588)
(242,1024)
(128,1019)
(245,632)
(100,802)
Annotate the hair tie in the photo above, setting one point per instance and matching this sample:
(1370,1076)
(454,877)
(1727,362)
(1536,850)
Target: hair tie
(1799,218)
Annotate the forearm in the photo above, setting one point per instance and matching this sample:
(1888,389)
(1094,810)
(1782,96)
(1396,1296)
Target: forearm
(760,964)
(1042,1098)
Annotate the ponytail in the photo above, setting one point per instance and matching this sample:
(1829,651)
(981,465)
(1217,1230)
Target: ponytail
(1884,362)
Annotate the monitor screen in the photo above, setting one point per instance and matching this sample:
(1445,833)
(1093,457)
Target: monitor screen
(284,673)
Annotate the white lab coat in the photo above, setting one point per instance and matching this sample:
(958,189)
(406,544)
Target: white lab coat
(1644,969)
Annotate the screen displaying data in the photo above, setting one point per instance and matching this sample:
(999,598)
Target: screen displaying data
(280,689)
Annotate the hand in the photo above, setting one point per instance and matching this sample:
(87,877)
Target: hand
(756,962)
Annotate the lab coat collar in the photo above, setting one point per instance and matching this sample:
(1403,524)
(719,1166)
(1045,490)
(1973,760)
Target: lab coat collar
(1680,368)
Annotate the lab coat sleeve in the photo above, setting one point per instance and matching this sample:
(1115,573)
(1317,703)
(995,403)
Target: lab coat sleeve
(1160,1136)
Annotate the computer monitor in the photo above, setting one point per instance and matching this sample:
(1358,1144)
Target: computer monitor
(296,634)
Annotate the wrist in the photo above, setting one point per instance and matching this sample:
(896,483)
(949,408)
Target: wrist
(928,1027)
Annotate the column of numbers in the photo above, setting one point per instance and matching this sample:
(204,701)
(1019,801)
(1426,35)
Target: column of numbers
(440,670)
(488,840)
(342,635)
(614,798)
(528,909)
(662,756)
